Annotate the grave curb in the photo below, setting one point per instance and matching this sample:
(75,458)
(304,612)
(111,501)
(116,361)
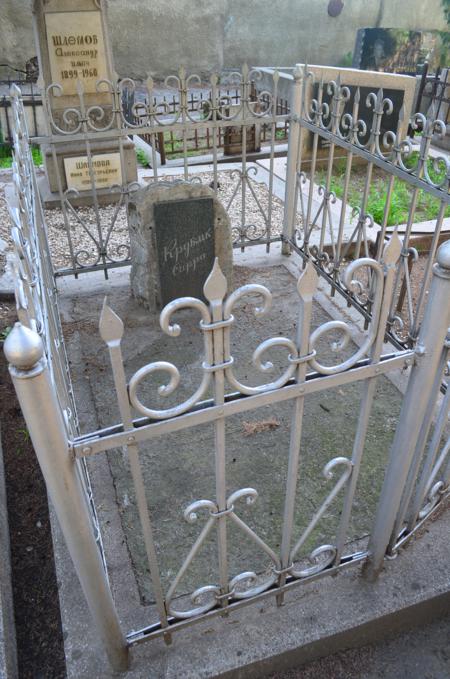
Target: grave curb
(319,618)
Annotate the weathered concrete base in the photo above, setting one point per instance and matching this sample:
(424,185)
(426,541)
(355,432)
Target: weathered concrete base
(8,653)
(318,618)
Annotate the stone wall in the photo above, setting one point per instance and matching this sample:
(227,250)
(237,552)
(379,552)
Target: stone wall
(205,35)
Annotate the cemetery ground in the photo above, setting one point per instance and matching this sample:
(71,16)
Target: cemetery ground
(420,652)
(39,638)
(257,442)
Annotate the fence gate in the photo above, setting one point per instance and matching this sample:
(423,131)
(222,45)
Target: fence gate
(415,483)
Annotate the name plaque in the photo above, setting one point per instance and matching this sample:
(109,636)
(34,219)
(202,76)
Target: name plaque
(76,49)
(185,245)
(106,167)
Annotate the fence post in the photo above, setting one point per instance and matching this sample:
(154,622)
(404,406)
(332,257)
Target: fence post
(32,381)
(290,206)
(421,388)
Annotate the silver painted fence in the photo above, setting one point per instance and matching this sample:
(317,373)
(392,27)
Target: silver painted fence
(418,474)
(150,117)
(95,239)
(327,122)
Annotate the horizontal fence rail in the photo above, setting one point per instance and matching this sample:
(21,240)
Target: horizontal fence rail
(294,384)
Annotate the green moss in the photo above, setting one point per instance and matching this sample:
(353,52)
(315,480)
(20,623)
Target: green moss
(427,205)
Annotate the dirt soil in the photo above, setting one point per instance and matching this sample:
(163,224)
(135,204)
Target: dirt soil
(35,592)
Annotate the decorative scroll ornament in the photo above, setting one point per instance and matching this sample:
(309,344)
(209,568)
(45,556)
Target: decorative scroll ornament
(216,322)
(331,116)
(242,586)
(219,330)
(321,557)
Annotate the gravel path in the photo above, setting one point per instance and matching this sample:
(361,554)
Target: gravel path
(82,221)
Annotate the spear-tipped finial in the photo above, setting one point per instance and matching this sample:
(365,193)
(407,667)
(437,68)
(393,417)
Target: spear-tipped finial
(110,325)
(307,283)
(79,88)
(393,248)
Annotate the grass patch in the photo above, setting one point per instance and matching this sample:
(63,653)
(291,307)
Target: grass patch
(141,157)
(6,158)
(427,205)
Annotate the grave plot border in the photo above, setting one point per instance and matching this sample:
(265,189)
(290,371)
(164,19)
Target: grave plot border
(411,492)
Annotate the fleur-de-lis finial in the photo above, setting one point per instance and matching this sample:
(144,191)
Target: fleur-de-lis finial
(307,282)
(215,287)
(80,88)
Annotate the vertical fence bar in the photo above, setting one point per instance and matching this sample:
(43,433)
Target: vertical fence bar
(291,169)
(306,288)
(423,377)
(390,259)
(111,330)
(35,391)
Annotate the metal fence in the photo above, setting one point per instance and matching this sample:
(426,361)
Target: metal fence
(200,141)
(35,287)
(418,472)
(329,237)
(434,91)
(219,115)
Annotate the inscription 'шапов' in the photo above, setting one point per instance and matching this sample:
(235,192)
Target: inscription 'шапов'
(76,49)
(185,257)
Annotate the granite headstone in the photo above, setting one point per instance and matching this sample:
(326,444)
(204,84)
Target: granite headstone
(176,232)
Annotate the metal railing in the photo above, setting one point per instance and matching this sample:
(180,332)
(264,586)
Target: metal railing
(418,471)
(88,124)
(200,141)
(42,336)
(329,237)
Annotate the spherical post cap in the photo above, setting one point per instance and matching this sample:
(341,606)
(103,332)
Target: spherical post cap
(23,347)
(443,255)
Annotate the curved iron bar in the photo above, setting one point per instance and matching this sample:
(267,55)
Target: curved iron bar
(212,593)
(323,549)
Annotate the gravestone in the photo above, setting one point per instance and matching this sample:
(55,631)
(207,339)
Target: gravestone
(388,122)
(400,88)
(393,50)
(176,231)
(73,46)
